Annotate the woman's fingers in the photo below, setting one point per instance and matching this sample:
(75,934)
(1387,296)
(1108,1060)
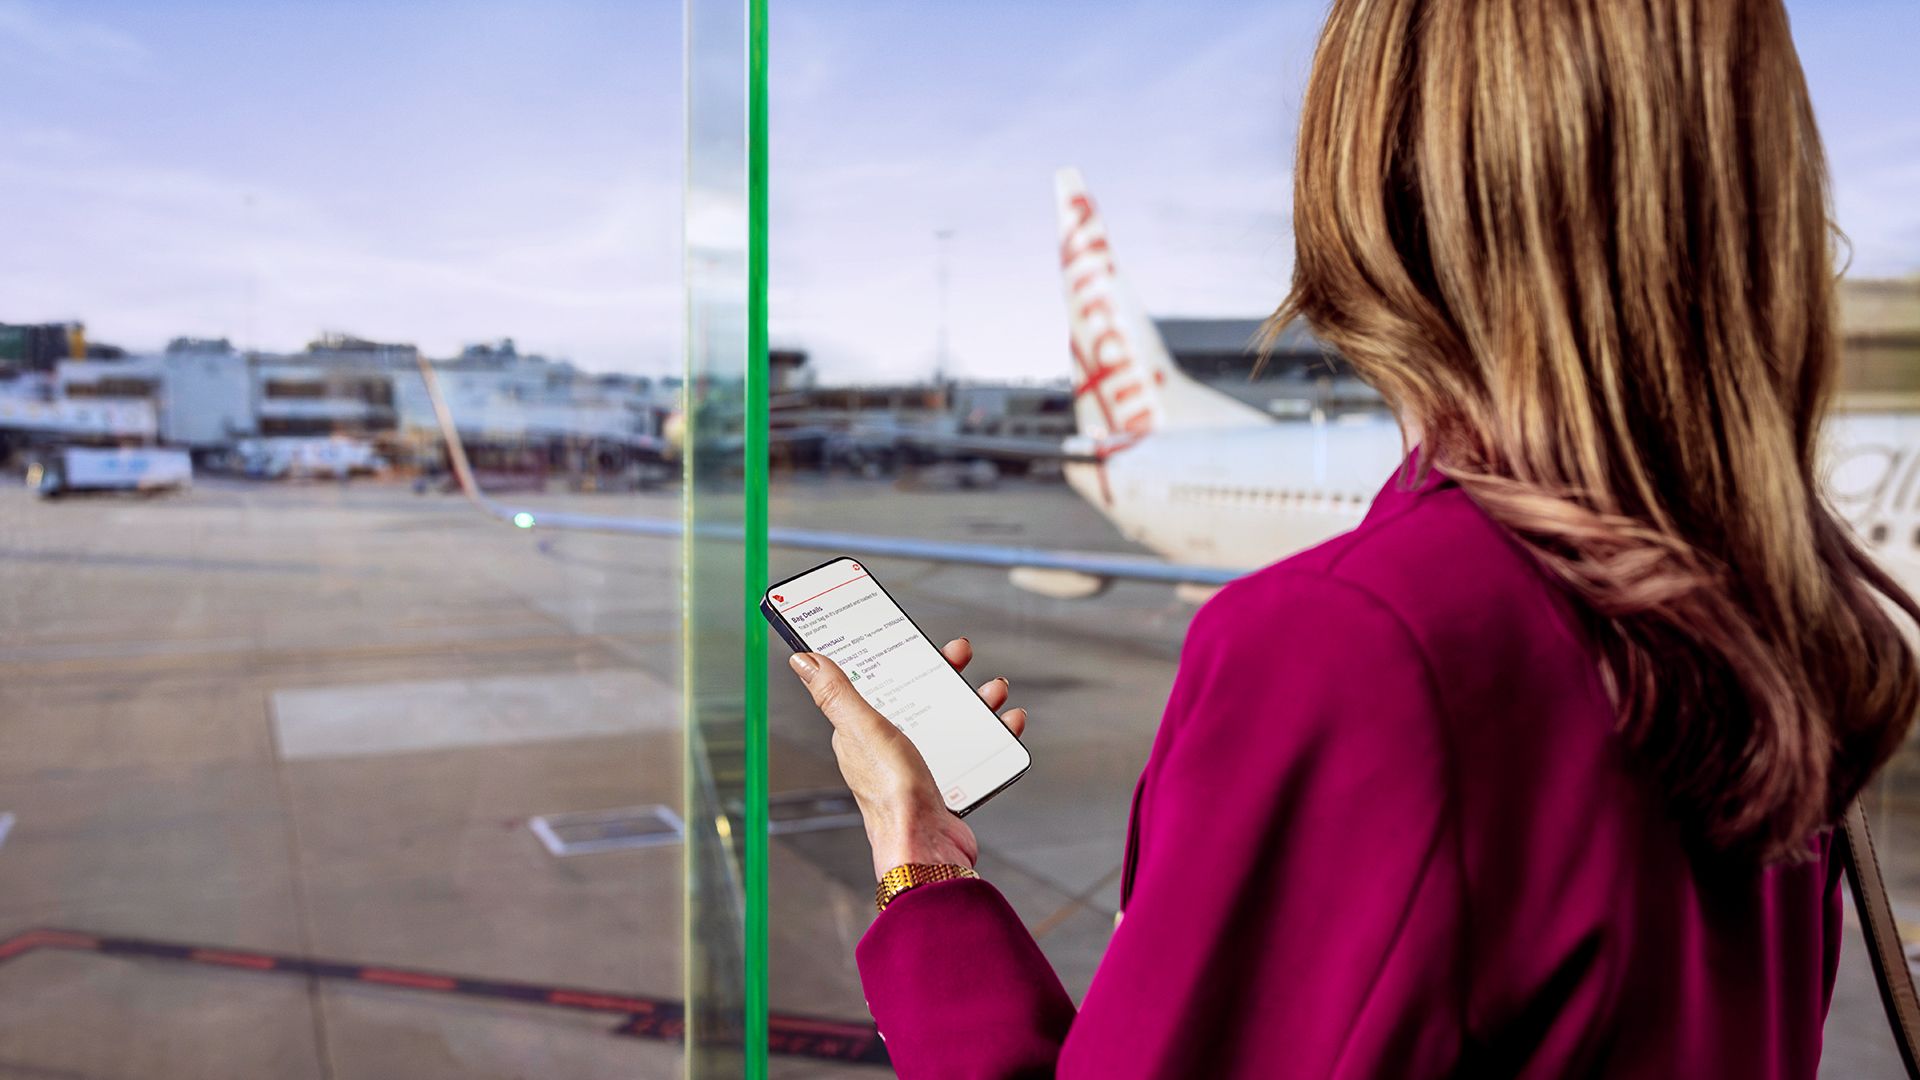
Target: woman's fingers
(959,653)
(994,693)
(833,694)
(844,706)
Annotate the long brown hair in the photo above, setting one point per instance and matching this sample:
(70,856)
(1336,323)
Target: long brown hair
(1582,247)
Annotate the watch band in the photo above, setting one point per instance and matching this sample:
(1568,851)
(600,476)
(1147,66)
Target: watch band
(906,876)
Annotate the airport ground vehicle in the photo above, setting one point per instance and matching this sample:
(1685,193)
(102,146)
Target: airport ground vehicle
(297,457)
(72,469)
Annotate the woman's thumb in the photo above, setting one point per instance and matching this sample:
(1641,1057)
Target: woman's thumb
(829,686)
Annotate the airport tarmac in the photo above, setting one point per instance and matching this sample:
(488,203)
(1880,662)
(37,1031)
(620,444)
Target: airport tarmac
(250,728)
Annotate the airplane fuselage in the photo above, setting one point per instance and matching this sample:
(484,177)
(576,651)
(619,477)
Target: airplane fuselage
(1240,498)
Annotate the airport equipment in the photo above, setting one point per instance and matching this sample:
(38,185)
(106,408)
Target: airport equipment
(289,457)
(77,468)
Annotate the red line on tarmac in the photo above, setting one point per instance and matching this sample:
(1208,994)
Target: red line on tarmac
(45,939)
(407,978)
(251,961)
(603,1002)
(845,1041)
(830,1027)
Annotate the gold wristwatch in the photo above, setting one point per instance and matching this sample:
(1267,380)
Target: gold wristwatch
(904,877)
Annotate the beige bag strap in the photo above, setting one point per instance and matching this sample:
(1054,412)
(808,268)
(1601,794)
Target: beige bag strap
(1889,956)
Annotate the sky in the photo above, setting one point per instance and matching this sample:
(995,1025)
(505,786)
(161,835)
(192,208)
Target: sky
(465,170)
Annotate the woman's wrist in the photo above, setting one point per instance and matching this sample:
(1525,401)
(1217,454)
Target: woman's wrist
(917,838)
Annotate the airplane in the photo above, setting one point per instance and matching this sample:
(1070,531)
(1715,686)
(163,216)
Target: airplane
(1204,479)
(1181,468)
(1214,486)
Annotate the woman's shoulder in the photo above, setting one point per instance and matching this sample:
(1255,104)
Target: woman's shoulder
(1427,578)
(1426,646)
(1428,555)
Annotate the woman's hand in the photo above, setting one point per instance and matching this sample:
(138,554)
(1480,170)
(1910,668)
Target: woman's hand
(907,820)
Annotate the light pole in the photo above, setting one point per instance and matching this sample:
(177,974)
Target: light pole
(941,276)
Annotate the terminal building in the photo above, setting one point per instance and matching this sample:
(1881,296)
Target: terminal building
(516,411)
(1880,344)
(1880,356)
(1295,376)
(525,414)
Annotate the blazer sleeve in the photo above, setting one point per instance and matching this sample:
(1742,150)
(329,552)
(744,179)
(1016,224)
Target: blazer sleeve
(1296,905)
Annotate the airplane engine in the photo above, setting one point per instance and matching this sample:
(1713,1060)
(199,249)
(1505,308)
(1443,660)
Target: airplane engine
(1058,584)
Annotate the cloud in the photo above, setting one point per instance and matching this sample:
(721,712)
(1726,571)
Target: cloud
(169,251)
(195,203)
(66,42)
(1184,144)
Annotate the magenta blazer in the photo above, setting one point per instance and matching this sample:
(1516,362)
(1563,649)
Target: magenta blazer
(1386,830)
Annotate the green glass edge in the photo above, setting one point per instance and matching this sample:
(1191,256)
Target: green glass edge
(755,547)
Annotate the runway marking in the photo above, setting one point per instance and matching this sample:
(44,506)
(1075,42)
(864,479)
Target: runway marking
(190,563)
(791,1035)
(221,663)
(432,714)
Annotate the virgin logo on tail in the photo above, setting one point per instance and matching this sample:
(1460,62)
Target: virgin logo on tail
(1105,362)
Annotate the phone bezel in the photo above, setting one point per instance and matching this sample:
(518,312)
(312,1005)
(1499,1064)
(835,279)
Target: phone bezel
(792,637)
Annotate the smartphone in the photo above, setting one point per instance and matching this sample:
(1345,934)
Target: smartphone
(837,609)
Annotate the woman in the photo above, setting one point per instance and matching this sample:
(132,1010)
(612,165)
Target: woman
(1532,773)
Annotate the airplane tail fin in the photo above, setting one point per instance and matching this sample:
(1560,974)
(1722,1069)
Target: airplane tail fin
(1124,380)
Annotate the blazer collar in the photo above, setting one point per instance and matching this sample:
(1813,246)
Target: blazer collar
(1401,490)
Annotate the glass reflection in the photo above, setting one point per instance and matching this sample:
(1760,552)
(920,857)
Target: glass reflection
(927,395)
(282,748)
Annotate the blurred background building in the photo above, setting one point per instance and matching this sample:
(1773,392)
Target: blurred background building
(526,414)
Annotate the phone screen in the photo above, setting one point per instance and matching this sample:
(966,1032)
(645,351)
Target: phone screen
(841,612)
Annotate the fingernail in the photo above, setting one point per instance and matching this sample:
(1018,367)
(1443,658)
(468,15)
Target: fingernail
(803,665)
(1008,683)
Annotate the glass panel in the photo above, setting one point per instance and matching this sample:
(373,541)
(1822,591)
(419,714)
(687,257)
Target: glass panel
(725,482)
(314,768)
(1861,83)
(918,330)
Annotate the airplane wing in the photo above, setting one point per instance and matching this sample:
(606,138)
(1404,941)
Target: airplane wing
(1032,563)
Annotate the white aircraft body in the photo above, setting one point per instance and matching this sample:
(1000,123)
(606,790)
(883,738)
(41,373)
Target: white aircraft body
(1205,480)
(1212,485)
